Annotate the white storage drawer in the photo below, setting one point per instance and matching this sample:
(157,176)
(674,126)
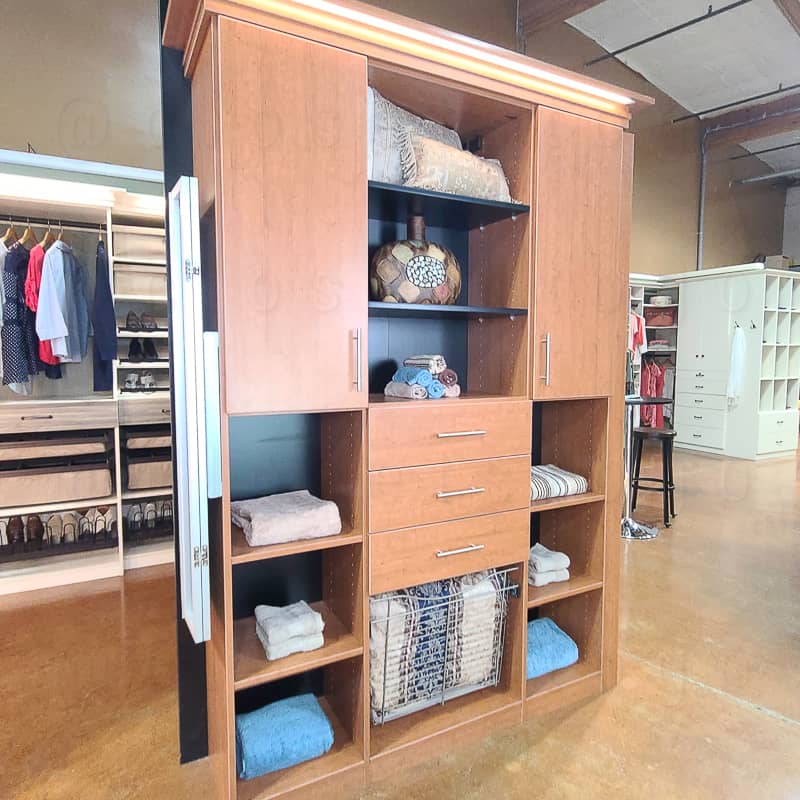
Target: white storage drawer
(699,418)
(689,383)
(701,372)
(778,421)
(717,402)
(770,441)
(700,437)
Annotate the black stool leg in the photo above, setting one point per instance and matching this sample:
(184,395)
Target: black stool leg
(637,465)
(665,480)
(671,481)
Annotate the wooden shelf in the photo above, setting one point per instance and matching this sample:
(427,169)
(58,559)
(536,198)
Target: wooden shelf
(137,494)
(467,397)
(559,679)
(392,203)
(250,665)
(417,727)
(577,584)
(141,260)
(242,553)
(51,508)
(144,364)
(659,305)
(157,334)
(141,298)
(344,755)
(553,503)
(430,311)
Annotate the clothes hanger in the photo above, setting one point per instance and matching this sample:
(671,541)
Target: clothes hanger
(48,237)
(28,236)
(60,231)
(10,236)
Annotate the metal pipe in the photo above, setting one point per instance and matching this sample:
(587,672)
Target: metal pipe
(55,222)
(780,90)
(683,25)
(701,204)
(765,150)
(786,173)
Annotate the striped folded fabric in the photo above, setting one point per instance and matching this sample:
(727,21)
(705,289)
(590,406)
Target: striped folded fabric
(548,480)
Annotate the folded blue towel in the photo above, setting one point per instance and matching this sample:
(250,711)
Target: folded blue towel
(435,389)
(413,375)
(549,648)
(281,735)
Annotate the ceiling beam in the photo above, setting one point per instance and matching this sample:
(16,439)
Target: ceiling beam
(534,15)
(790,10)
(756,121)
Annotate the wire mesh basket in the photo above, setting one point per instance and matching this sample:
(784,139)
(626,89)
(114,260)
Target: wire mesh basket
(437,641)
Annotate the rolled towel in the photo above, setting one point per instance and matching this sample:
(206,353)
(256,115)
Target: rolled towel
(286,517)
(543,578)
(413,376)
(448,377)
(544,560)
(435,363)
(452,391)
(288,647)
(549,648)
(281,735)
(436,390)
(405,390)
(280,623)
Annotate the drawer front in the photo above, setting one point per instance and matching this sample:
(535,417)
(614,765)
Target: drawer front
(699,418)
(37,417)
(402,498)
(701,437)
(717,402)
(701,372)
(777,441)
(433,552)
(144,410)
(777,422)
(405,435)
(690,384)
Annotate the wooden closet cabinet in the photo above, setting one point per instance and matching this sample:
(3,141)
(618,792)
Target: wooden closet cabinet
(293,224)
(579,284)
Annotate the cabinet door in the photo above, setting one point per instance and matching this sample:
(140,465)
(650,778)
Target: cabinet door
(292,120)
(691,321)
(579,285)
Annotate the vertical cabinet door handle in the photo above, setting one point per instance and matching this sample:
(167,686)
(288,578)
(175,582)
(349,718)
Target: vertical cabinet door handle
(546,376)
(358,379)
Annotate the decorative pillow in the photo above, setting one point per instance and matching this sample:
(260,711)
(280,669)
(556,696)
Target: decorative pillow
(383,121)
(430,164)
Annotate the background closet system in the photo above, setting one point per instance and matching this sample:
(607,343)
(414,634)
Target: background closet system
(93,466)
(287,222)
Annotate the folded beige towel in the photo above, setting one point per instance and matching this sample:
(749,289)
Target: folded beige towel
(279,623)
(543,578)
(286,517)
(452,391)
(402,389)
(297,644)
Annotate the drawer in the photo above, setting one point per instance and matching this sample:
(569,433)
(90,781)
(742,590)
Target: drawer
(409,435)
(701,437)
(714,401)
(144,410)
(770,441)
(777,421)
(699,418)
(690,384)
(433,552)
(35,417)
(701,372)
(402,498)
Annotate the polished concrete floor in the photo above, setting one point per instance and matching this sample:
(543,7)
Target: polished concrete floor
(708,705)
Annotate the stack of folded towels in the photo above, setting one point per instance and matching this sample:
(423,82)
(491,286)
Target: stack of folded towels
(424,377)
(547,566)
(548,480)
(285,517)
(289,629)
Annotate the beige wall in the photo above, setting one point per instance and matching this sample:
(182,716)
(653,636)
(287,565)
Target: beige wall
(741,221)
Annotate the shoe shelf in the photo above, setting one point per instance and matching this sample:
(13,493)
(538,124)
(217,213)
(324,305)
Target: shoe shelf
(55,550)
(554,503)
(140,494)
(141,298)
(156,334)
(160,364)
(52,508)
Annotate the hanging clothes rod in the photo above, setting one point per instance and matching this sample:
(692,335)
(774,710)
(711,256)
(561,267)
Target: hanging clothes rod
(53,222)
(674,29)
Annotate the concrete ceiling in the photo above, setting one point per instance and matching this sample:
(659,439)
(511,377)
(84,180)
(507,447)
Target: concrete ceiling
(743,52)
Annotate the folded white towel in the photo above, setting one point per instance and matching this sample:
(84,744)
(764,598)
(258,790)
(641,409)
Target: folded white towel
(543,578)
(279,623)
(405,390)
(286,517)
(543,560)
(297,644)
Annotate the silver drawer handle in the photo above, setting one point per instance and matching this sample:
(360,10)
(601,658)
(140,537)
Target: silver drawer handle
(779,421)
(779,441)
(469,549)
(699,375)
(37,416)
(697,435)
(474,490)
(699,401)
(698,416)
(699,387)
(460,433)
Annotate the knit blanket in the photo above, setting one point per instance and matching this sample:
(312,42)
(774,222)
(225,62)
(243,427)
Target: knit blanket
(548,480)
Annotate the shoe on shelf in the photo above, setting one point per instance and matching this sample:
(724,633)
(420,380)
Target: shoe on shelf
(149,351)
(131,381)
(3,535)
(69,527)
(147,381)
(35,531)
(150,516)
(132,322)
(111,521)
(135,352)
(134,515)
(15,530)
(148,322)
(55,529)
